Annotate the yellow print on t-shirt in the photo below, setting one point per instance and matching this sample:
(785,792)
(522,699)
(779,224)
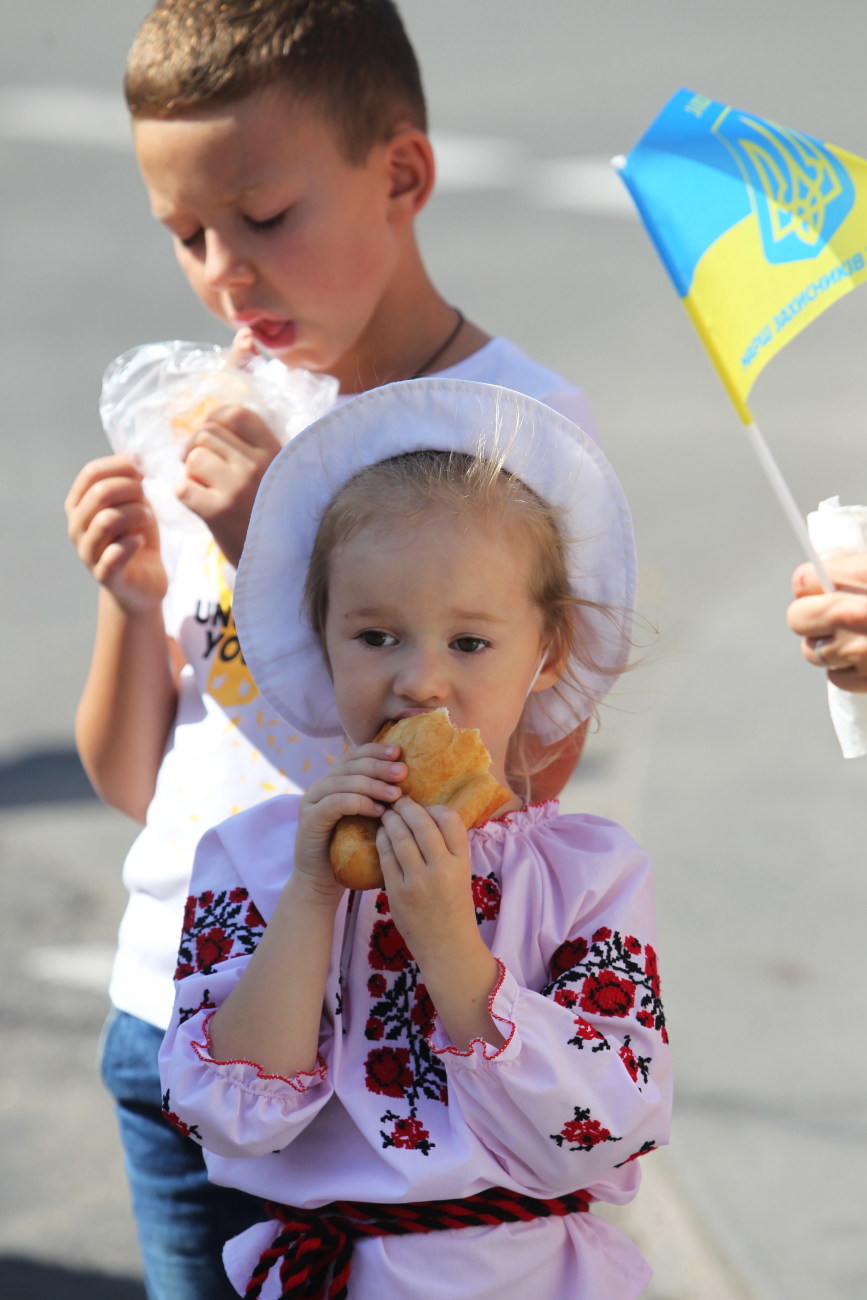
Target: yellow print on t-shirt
(229,679)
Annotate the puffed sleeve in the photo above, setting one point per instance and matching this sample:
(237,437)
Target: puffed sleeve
(233,1108)
(582,1085)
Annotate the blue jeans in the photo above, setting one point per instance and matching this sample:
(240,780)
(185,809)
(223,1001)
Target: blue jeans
(182,1218)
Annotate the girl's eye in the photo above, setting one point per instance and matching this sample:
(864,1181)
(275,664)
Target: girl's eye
(372,637)
(190,241)
(470,645)
(269,223)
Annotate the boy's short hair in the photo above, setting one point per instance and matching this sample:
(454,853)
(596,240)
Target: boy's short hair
(351,59)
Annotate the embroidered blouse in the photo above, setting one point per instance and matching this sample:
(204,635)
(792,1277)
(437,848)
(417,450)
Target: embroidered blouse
(394,1112)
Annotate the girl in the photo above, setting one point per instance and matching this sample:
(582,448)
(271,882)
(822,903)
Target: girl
(430,1083)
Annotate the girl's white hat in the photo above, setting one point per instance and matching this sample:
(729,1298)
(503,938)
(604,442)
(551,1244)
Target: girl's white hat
(545,450)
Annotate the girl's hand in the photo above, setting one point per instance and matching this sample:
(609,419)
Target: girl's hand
(363,783)
(113,529)
(425,860)
(225,463)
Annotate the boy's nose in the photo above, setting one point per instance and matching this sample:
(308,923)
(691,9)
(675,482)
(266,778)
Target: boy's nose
(224,266)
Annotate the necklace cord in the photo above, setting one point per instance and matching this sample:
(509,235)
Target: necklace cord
(444,346)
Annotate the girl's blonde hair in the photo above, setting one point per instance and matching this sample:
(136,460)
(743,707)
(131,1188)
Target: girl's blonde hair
(416,484)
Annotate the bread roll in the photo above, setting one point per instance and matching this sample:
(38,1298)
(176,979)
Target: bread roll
(446,766)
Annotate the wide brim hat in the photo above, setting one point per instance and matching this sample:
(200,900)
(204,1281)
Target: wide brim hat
(549,453)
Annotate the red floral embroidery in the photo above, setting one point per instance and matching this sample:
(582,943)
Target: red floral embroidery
(206,1004)
(585,1031)
(211,948)
(645,1149)
(569,954)
(608,978)
(635,1065)
(401,1018)
(188,1130)
(628,1058)
(486,897)
(582,1132)
(388,1071)
(423,1010)
(586,1133)
(387,948)
(651,969)
(374,1029)
(410,1134)
(606,994)
(216,927)
(254,917)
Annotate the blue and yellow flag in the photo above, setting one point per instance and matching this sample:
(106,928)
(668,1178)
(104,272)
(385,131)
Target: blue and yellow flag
(760,227)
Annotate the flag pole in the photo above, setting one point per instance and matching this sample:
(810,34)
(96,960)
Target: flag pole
(783,493)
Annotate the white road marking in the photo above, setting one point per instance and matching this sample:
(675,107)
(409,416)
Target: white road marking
(94,119)
(64,115)
(586,185)
(476,162)
(79,966)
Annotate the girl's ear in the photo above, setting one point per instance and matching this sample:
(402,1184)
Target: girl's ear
(550,669)
(411,172)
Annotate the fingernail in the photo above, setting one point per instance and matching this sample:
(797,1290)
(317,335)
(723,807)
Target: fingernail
(396,769)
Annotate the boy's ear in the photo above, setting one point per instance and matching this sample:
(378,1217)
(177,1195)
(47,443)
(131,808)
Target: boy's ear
(411,172)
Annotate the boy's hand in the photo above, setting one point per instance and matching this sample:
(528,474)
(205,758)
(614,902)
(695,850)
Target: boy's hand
(225,462)
(113,529)
(425,859)
(363,783)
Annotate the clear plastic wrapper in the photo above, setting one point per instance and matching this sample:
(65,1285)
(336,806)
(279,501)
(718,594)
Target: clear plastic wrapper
(155,396)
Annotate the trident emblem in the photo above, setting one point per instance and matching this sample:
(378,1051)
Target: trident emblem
(800,192)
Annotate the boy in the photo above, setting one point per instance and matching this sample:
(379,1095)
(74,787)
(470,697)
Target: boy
(283,144)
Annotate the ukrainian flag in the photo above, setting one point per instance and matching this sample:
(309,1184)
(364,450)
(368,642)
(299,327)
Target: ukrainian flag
(760,227)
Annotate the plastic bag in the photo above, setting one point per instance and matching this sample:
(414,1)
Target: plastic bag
(155,396)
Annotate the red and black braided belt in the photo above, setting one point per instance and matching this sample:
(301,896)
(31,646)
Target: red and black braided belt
(314,1247)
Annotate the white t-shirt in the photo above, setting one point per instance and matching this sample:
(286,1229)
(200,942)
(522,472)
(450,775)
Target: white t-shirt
(227,750)
(501,362)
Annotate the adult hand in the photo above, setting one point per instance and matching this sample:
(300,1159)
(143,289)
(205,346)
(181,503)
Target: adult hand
(833,625)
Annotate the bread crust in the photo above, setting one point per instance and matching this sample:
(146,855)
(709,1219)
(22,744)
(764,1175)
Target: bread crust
(447,766)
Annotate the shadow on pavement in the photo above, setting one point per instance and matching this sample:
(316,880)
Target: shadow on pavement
(43,777)
(26,1279)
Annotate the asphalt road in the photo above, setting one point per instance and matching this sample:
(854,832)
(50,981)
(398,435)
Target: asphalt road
(719,756)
